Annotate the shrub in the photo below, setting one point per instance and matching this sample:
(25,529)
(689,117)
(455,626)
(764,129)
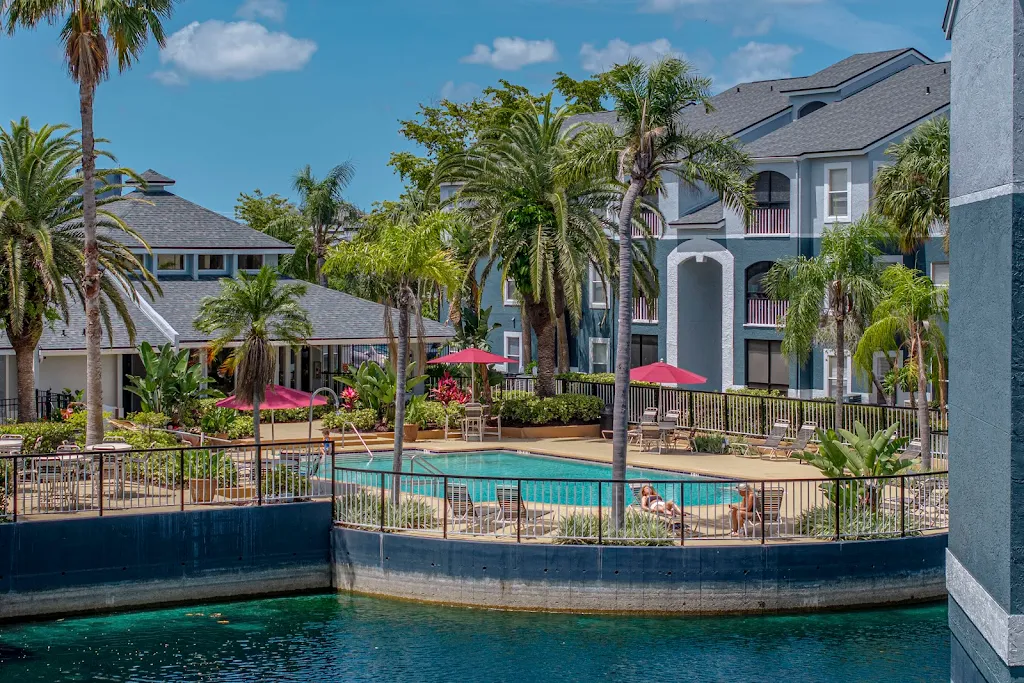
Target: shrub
(242,427)
(164,468)
(432,414)
(597,378)
(143,440)
(820,522)
(217,420)
(639,528)
(53,434)
(364,508)
(522,408)
(282,482)
(150,420)
(364,419)
(709,443)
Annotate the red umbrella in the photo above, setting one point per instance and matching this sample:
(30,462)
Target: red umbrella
(277,398)
(663,373)
(474,357)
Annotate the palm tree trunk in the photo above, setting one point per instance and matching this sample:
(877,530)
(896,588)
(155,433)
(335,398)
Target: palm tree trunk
(923,426)
(840,370)
(620,418)
(563,345)
(24,346)
(91,285)
(544,325)
(320,251)
(527,342)
(403,364)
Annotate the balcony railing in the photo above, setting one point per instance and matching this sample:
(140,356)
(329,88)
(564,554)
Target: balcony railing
(766,221)
(653,225)
(645,310)
(762,311)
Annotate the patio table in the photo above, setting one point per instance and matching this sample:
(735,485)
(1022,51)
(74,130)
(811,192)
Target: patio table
(69,469)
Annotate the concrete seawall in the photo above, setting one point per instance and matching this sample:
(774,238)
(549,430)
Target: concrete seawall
(70,566)
(688,580)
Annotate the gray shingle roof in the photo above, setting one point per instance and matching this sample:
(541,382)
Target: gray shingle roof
(709,215)
(167,221)
(840,72)
(864,118)
(334,314)
(151,176)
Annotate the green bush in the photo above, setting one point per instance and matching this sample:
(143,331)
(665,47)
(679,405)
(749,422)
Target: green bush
(164,468)
(820,522)
(282,482)
(597,378)
(522,408)
(709,443)
(157,420)
(53,434)
(299,414)
(144,439)
(639,528)
(217,420)
(431,414)
(364,508)
(242,427)
(364,419)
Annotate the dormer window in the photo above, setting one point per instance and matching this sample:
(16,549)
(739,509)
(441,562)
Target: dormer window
(170,263)
(250,261)
(809,108)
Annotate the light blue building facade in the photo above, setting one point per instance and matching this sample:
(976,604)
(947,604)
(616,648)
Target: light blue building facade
(817,143)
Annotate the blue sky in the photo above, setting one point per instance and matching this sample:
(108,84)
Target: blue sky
(248,91)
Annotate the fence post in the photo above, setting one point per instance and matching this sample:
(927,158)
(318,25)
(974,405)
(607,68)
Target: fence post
(519,511)
(181,472)
(334,481)
(799,414)
(444,504)
(725,411)
(839,498)
(761,503)
(99,456)
(259,473)
(682,513)
(689,406)
(14,473)
(600,514)
(764,416)
(903,505)
(382,502)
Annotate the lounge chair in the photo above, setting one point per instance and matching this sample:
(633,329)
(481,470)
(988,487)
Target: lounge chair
(460,502)
(774,438)
(767,513)
(672,521)
(510,504)
(783,451)
(912,451)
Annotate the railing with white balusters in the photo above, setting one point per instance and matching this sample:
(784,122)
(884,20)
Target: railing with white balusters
(762,311)
(768,221)
(653,225)
(645,310)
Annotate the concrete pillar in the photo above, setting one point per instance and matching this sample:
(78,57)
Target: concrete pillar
(985,563)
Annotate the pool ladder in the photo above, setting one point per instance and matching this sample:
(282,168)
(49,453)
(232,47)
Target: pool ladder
(427,466)
(358,436)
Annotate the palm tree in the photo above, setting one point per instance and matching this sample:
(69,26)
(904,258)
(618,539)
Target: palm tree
(649,141)
(412,260)
(92,32)
(543,228)
(830,295)
(41,243)
(254,311)
(913,193)
(324,209)
(908,316)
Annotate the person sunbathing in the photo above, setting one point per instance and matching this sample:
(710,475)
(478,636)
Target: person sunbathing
(651,501)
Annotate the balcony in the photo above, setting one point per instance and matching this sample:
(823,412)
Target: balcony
(653,225)
(645,310)
(768,221)
(763,312)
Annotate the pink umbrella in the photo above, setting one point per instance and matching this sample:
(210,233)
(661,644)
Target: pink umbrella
(474,357)
(277,398)
(663,373)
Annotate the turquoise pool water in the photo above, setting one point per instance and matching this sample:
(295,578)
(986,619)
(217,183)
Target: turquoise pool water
(523,469)
(332,638)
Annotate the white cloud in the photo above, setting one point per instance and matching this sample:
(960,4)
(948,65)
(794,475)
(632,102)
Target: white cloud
(169,78)
(617,51)
(948,57)
(274,10)
(459,92)
(758,62)
(236,51)
(513,53)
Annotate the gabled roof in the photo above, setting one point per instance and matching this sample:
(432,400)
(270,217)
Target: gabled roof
(709,215)
(335,315)
(864,118)
(151,176)
(849,68)
(167,221)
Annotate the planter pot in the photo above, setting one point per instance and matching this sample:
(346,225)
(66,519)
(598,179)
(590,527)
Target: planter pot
(553,432)
(237,492)
(411,432)
(202,490)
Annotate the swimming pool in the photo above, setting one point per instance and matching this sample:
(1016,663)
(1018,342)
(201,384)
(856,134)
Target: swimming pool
(341,638)
(483,471)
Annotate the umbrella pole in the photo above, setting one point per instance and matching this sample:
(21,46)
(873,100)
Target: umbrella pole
(272,437)
(472,381)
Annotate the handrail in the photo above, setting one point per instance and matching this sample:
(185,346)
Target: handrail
(358,435)
(430,467)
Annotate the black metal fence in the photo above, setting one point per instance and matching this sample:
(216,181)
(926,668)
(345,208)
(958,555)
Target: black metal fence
(673,511)
(49,405)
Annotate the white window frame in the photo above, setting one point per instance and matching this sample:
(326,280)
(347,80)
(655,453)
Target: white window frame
(505,340)
(828,355)
(848,167)
(888,260)
(509,287)
(876,166)
(171,271)
(222,269)
(593,283)
(608,345)
(238,260)
(931,271)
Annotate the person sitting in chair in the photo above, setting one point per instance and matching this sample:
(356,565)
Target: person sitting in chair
(742,511)
(651,501)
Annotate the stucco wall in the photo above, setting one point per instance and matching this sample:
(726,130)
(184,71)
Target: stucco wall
(747,579)
(59,372)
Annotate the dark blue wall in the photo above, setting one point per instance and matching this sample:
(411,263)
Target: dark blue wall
(75,553)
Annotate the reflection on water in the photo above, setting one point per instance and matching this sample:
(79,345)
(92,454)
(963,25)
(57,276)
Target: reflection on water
(340,638)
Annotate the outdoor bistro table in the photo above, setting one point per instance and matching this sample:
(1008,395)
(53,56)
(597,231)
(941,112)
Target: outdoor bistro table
(112,464)
(58,477)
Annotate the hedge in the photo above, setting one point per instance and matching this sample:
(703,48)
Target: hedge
(364,419)
(523,408)
(598,378)
(53,434)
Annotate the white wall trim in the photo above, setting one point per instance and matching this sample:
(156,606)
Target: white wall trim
(594,282)
(990,193)
(828,217)
(504,347)
(608,343)
(506,299)
(1003,631)
(699,249)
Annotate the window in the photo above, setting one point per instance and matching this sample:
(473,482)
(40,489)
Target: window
(170,262)
(511,293)
(514,350)
(833,374)
(643,350)
(598,291)
(771,190)
(837,192)
(211,262)
(940,274)
(767,366)
(600,355)
(250,261)
(810,108)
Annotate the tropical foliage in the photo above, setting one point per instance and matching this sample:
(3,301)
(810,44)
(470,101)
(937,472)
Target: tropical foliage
(172,385)
(325,210)
(376,387)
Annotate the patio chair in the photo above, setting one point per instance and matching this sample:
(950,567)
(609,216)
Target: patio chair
(774,438)
(473,422)
(650,415)
(491,423)
(767,513)
(912,451)
(510,504)
(651,433)
(671,521)
(783,451)
(69,448)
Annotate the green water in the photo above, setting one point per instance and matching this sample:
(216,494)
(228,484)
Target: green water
(332,638)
